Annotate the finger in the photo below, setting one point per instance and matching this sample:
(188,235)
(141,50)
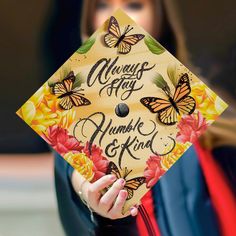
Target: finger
(133,211)
(109,197)
(116,210)
(100,184)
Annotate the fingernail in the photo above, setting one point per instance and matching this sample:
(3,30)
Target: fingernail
(133,211)
(112,177)
(121,182)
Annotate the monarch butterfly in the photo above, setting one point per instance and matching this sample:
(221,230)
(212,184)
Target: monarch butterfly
(68,95)
(131,184)
(114,39)
(179,104)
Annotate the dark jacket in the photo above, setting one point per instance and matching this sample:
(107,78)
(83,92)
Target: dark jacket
(181,199)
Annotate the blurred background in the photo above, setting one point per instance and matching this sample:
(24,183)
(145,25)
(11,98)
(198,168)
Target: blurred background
(31,51)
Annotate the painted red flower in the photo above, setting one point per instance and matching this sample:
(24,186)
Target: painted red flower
(100,162)
(61,141)
(191,127)
(153,171)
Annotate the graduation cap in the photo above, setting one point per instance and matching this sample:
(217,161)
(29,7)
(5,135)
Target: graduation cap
(123,105)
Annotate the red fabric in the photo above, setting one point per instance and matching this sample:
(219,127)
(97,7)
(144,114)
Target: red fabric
(147,202)
(221,195)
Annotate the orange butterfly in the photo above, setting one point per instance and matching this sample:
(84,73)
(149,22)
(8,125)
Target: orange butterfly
(179,104)
(114,39)
(131,184)
(68,95)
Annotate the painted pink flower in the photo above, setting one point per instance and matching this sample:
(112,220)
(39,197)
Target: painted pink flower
(153,171)
(61,141)
(191,127)
(100,162)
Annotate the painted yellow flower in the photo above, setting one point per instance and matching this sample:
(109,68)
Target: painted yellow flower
(81,163)
(42,111)
(207,102)
(168,160)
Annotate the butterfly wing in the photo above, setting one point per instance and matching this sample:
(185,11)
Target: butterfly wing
(65,86)
(130,193)
(113,169)
(110,40)
(125,45)
(168,116)
(155,104)
(183,88)
(114,34)
(59,89)
(69,81)
(133,39)
(66,103)
(186,104)
(113,27)
(166,113)
(77,99)
(133,184)
(124,48)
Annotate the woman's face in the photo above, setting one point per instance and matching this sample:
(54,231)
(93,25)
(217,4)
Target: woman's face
(142,11)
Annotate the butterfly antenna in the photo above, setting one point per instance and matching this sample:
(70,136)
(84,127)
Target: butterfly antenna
(79,89)
(127,172)
(128,29)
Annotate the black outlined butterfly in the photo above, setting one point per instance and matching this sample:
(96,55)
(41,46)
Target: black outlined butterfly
(179,104)
(131,184)
(114,39)
(68,95)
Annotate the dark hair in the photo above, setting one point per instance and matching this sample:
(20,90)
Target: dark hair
(62,34)
(167,38)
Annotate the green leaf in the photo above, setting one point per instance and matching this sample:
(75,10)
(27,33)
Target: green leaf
(159,81)
(86,46)
(171,71)
(51,83)
(153,45)
(78,81)
(64,71)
